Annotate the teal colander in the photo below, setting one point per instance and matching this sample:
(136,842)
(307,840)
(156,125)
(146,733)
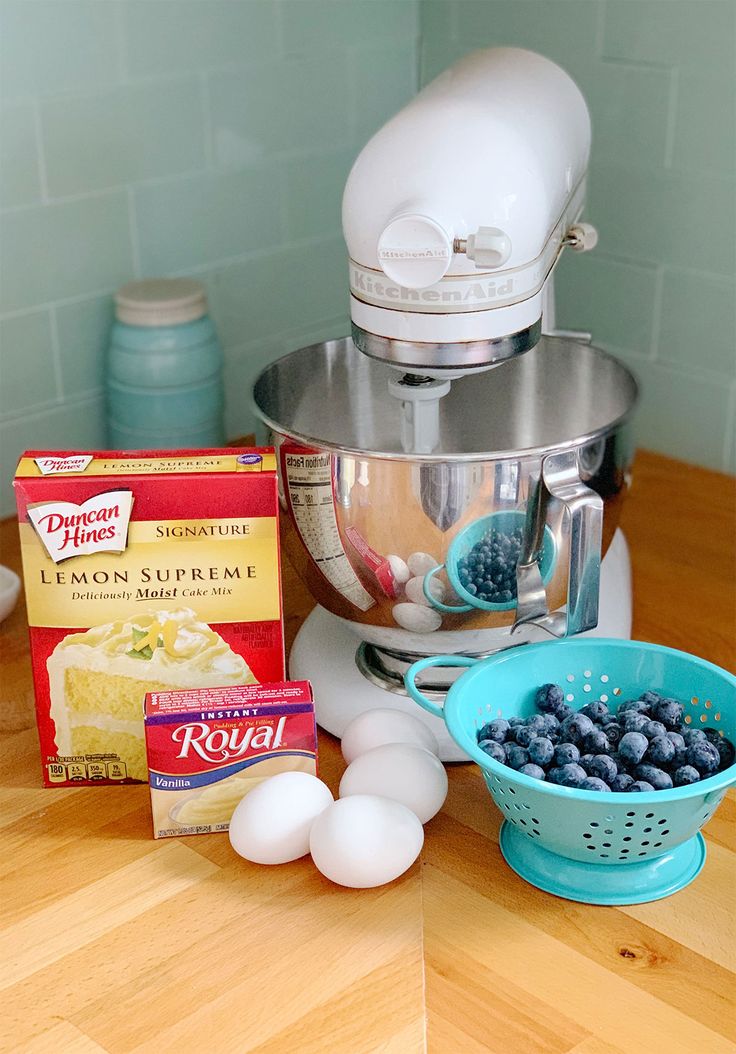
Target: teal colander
(505,520)
(597,848)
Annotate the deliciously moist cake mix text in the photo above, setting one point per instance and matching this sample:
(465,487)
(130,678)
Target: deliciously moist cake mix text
(145,571)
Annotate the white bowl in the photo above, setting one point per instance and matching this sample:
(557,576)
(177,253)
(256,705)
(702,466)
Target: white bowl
(9,590)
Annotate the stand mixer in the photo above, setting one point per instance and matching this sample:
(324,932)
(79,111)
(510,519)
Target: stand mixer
(450,428)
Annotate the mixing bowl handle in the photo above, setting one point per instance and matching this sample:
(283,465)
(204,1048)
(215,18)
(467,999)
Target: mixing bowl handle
(433,599)
(581,524)
(433,660)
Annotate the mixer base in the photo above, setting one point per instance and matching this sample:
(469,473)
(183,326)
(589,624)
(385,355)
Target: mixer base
(618,883)
(325,648)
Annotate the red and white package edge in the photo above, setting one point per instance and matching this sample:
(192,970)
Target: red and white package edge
(208,747)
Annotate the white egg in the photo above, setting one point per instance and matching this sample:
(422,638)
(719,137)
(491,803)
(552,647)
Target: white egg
(271,824)
(373,728)
(400,771)
(420,563)
(415,590)
(416,618)
(365,841)
(399,569)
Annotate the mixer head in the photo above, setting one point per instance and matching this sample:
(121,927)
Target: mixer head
(456,211)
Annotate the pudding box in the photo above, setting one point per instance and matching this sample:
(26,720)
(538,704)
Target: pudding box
(208,747)
(145,571)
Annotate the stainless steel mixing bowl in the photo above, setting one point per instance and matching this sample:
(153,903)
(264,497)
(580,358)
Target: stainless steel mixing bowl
(546,435)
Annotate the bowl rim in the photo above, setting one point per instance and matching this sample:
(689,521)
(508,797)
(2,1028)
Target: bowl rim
(452,709)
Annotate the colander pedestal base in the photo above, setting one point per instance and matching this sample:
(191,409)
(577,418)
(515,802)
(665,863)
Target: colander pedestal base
(617,883)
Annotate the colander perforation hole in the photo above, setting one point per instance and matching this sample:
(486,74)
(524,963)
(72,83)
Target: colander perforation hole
(587,834)
(604,856)
(617,691)
(688,719)
(522,821)
(525,806)
(606,845)
(604,698)
(536,832)
(590,847)
(662,822)
(570,697)
(665,831)
(631,814)
(648,815)
(593,823)
(536,821)
(641,854)
(604,678)
(586,687)
(623,851)
(629,824)
(647,830)
(645,842)
(571,677)
(708,704)
(511,790)
(657,845)
(703,718)
(608,830)
(626,838)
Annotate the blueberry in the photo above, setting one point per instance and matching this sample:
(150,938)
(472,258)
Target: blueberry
(657,778)
(635,722)
(592,783)
(651,697)
(493,750)
(632,747)
(537,721)
(726,751)
(607,718)
(712,735)
(685,775)
(497,730)
(541,751)
(661,751)
(524,735)
(575,728)
(534,771)
(622,782)
(603,768)
(551,725)
(704,757)
(516,721)
(636,706)
(549,697)
(595,711)
(693,735)
(640,787)
(613,731)
(652,729)
(669,712)
(680,749)
(572,775)
(563,711)
(596,742)
(621,765)
(566,754)
(516,756)
(585,761)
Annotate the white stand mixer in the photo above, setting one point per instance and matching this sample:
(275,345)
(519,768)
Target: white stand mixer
(454,215)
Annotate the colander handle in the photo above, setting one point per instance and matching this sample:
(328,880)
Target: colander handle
(447,608)
(433,660)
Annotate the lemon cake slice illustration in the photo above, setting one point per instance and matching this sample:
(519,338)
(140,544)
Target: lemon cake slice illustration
(98,679)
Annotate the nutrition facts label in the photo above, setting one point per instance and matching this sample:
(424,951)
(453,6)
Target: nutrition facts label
(309,482)
(77,771)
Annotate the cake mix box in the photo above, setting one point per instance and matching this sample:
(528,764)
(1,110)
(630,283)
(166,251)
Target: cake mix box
(208,747)
(145,571)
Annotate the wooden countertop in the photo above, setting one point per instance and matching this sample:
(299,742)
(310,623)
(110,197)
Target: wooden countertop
(112,942)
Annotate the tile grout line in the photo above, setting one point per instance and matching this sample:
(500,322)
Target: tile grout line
(657,301)
(40,154)
(671,124)
(56,355)
(135,248)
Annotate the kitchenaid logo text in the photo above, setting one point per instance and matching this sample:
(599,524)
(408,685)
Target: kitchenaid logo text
(428,252)
(226,744)
(456,294)
(99,525)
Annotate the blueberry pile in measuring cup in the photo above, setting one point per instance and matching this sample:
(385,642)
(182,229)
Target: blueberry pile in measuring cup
(488,570)
(643,746)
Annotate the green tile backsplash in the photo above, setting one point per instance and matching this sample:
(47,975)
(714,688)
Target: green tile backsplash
(213,137)
(204,137)
(660,288)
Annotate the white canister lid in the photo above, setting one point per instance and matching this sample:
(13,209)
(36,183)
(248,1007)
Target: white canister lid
(160,302)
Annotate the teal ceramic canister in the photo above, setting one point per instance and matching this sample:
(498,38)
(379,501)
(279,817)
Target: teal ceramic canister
(164,368)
